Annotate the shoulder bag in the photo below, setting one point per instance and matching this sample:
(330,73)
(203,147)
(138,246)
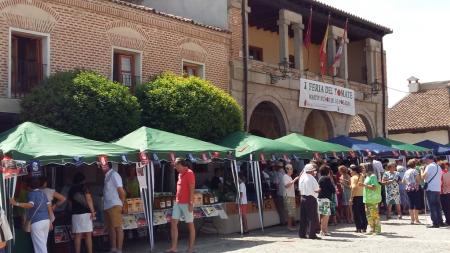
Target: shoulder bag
(425,186)
(27,224)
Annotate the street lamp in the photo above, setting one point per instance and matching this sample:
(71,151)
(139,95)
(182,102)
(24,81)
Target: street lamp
(284,68)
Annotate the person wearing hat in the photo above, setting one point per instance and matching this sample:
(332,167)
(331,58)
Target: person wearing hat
(309,189)
(83,212)
(432,176)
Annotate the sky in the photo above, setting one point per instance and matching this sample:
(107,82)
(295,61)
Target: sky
(419,43)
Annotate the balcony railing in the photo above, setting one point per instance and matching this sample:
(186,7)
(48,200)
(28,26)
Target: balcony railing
(25,76)
(129,81)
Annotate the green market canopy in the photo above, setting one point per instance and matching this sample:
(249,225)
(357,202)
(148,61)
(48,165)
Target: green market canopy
(245,144)
(31,141)
(162,142)
(401,145)
(312,144)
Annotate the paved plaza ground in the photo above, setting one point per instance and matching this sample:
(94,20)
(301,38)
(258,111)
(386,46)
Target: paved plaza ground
(397,236)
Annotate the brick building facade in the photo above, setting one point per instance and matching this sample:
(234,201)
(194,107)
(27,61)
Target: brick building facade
(126,42)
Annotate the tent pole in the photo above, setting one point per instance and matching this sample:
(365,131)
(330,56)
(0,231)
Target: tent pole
(150,191)
(238,191)
(258,173)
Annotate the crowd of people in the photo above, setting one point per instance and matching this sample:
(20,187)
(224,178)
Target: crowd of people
(360,193)
(42,201)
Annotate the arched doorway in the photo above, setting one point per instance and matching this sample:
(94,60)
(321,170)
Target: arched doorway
(318,125)
(360,128)
(267,121)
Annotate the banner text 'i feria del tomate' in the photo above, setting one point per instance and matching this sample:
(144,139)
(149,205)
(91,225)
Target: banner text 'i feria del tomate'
(326,97)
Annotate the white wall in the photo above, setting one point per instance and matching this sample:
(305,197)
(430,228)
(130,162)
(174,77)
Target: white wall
(437,136)
(210,12)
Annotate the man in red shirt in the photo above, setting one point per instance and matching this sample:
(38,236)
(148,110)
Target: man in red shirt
(184,205)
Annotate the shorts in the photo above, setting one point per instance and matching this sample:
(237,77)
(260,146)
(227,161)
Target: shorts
(414,200)
(289,205)
(182,210)
(244,208)
(113,217)
(324,206)
(81,223)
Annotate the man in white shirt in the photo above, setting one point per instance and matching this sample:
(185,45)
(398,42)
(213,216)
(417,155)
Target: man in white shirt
(113,199)
(309,189)
(432,174)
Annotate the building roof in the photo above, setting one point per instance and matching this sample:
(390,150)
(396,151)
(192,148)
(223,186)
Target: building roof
(427,109)
(351,16)
(423,110)
(183,19)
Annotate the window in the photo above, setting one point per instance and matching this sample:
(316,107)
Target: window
(27,63)
(193,69)
(291,61)
(255,53)
(126,68)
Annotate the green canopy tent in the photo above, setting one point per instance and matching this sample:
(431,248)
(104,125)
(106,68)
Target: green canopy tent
(405,147)
(169,144)
(312,144)
(162,142)
(253,148)
(246,144)
(31,141)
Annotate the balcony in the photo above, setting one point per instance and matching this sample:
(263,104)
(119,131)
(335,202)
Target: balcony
(26,75)
(129,81)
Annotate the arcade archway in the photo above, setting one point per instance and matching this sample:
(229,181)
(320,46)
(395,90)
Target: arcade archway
(267,121)
(360,128)
(318,125)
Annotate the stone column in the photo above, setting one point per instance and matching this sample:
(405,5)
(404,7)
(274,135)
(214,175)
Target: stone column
(283,33)
(298,46)
(372,47)
(331,52)
(343,68)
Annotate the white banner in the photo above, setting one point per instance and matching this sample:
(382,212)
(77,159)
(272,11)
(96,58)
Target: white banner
(327,97)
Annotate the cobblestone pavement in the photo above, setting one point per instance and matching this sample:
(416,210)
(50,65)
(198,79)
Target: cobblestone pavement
(397,236)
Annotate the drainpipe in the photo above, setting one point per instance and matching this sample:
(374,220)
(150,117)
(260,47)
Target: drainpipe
(245,59)
(383,84)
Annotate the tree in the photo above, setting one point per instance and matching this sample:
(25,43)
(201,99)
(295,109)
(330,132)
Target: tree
(189,106)
(83,103)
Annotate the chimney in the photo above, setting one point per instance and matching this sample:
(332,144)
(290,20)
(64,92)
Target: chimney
(413,84)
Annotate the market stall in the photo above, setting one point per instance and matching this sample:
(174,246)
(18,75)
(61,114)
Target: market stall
(162,148)
(408,150)
(438,149)
(53,155)
(365,148)
(314,145)
(253,151)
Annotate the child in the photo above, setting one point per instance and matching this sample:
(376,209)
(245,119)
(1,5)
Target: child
(243,202)
(372,197)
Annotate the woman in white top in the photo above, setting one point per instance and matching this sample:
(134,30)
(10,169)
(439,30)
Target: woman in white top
(289,195)
(51,194)
(243,202)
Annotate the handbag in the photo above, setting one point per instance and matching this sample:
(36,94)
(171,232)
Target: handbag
(27,224)
(425,185)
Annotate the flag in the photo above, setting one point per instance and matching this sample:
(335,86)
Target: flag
(338,56)
(307,40)
(323,52)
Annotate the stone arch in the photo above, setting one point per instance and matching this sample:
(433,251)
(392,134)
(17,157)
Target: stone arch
(319,125)
(267,118)
(361,126)
(29,15)
(126,35)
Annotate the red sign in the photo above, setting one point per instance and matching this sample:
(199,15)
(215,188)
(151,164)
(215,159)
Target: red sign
(216,154)
(143,157)
(103,160)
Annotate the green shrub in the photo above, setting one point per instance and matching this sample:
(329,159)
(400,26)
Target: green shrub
(189,106)
(83,103)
